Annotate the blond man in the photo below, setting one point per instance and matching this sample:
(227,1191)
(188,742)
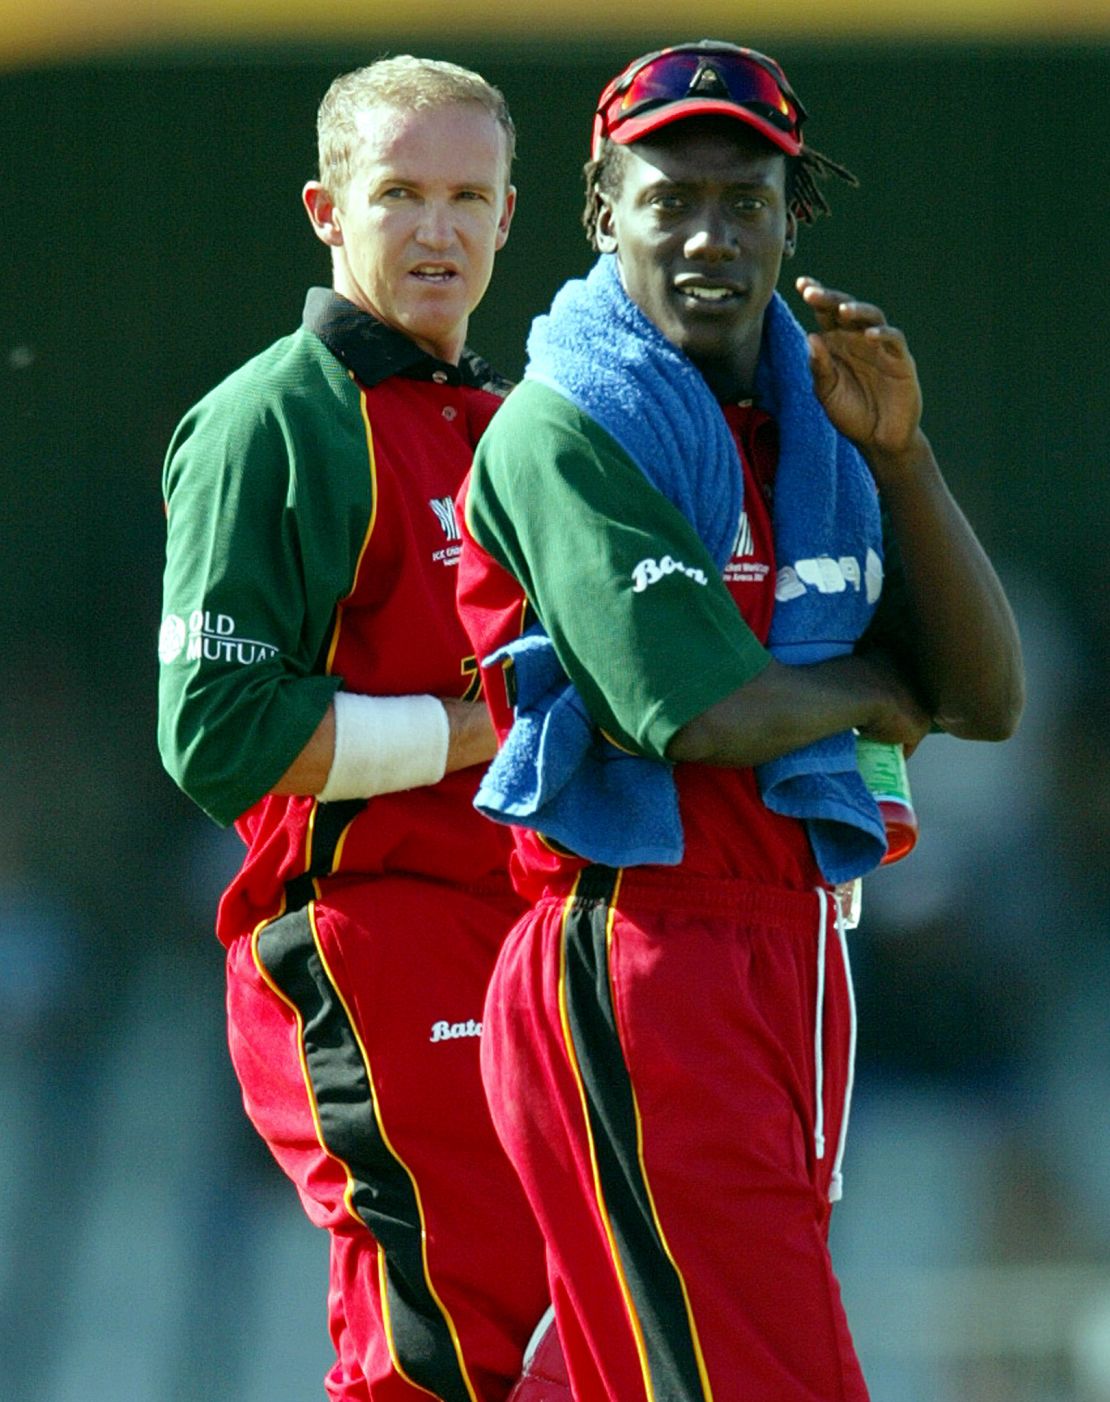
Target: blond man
(317,691)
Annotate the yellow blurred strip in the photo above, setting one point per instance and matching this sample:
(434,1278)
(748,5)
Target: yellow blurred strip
(66,29)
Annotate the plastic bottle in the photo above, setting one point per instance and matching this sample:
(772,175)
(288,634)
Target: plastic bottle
(883,768)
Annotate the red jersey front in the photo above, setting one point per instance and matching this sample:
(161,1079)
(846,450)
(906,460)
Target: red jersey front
(728,830)
(314,545)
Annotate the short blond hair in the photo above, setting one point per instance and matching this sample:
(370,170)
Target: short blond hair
(407,84)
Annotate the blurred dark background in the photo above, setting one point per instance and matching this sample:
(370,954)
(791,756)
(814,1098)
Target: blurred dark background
(153,239)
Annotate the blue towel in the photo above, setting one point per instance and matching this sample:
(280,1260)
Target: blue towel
(555,772)
(598,349)
(828,547)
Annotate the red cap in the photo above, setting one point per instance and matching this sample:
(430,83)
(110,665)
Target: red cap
(704,79)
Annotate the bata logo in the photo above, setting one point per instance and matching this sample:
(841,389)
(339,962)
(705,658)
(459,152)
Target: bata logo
(829,576)
(448,1031)
(208,637)
(649,572)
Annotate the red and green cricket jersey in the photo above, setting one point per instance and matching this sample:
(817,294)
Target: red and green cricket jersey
(313,544)
(562,526)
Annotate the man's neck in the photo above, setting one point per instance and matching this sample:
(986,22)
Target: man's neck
(728,381)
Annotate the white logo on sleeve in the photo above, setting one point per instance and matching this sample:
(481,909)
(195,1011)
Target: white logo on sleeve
(171,638)
(208,637)
(649,572)
(447,1031)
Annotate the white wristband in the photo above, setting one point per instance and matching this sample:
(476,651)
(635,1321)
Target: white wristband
(386,743)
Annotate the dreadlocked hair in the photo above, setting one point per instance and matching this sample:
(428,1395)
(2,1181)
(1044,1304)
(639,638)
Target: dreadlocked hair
(803,193)
(803,171)
(603,177)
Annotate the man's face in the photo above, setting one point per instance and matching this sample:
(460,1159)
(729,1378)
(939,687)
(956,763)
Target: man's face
(416,229)
(700,226)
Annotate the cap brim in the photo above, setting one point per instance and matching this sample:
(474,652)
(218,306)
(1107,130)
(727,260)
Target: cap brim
(632,128)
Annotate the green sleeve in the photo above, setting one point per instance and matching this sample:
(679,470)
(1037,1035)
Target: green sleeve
(261,543)
(639,615)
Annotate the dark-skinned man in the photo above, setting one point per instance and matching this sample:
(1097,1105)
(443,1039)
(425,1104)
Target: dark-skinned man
(704,551)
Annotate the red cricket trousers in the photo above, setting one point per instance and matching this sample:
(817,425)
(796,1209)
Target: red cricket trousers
(668,1061)
(354,1030)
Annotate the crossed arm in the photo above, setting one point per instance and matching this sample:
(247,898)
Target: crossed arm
(471,741)
(968,669)
(968,675)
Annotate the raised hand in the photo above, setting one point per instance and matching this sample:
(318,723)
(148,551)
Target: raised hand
(864,375)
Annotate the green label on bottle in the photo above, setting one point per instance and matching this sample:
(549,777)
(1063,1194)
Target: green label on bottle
(883,768)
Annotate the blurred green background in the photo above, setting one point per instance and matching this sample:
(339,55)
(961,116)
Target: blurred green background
(153,239)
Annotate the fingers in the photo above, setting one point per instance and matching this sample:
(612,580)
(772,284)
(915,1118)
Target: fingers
(837,309)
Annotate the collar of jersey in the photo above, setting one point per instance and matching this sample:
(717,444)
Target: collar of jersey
(373,351)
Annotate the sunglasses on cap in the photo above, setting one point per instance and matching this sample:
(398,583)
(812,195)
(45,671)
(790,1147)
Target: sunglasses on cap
(709,78)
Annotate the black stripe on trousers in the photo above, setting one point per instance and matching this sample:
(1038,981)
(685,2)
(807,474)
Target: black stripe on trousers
(382,1193)
(330,822)
(653,1283)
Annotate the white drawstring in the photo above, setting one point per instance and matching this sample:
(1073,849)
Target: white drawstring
(836,1181)
(819,1030)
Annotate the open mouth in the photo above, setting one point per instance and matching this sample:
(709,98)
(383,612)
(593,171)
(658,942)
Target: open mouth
(709,294)
(436,275)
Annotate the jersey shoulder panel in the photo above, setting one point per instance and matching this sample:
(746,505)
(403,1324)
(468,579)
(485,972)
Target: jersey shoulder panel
(293,390)
(268,495)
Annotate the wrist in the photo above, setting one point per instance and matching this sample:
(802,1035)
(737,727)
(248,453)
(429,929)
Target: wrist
(875,680)
(472,737)
(906,461)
